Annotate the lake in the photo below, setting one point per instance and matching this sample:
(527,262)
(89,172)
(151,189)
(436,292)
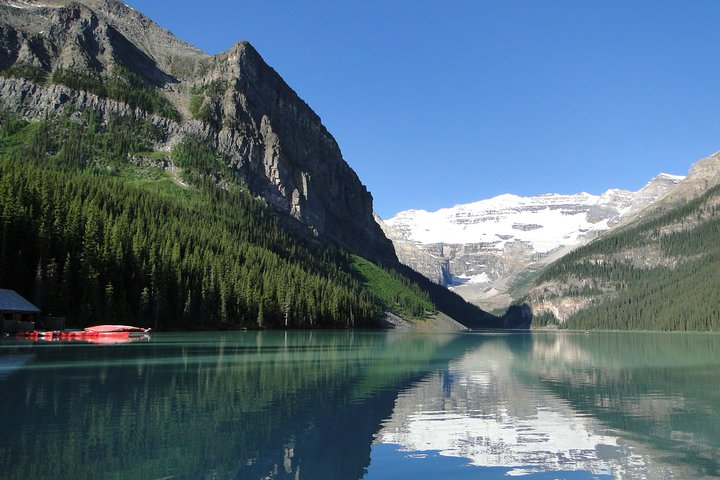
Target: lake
(320,405)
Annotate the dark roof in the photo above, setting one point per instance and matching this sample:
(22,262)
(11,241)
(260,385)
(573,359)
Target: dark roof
(11,301)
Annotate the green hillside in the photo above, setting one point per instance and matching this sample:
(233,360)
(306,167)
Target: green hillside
(662,273)
(395,291)
(90,234)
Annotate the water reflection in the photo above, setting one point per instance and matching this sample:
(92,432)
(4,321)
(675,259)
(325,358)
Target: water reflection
(601,404)
(659,389)
(242,405)
(348,405)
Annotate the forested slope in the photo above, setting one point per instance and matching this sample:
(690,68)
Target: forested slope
(91,235)
(661,273)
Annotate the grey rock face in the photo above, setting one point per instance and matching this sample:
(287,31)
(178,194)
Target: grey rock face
(281,148)
(48,19)
(264,131)
(428,262)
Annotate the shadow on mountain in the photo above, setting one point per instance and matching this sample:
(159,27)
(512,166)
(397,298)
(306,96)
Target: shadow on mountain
(518,317)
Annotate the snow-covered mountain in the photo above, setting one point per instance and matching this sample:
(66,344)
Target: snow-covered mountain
(479,249)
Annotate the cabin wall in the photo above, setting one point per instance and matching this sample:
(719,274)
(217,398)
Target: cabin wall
(18,321)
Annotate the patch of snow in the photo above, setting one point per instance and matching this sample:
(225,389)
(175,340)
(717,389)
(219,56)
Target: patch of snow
(471,279)
(27,5)
(670,176)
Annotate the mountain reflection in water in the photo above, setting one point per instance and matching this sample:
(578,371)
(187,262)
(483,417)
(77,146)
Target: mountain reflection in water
(351,405)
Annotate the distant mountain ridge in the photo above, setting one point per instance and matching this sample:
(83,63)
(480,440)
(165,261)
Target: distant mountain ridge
(481,249)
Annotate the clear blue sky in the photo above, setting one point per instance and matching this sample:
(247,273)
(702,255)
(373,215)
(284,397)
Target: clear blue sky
(436,103)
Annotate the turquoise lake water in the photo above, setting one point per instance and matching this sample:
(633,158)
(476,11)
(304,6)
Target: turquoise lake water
(363,405)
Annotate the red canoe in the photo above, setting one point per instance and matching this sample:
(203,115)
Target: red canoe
(94,334)
(115,329)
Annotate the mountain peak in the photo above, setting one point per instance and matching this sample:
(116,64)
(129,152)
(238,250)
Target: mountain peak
(703,175)
(233,102)
(243,54)
(481,248)
(664,181)
(708,167)
(242,48)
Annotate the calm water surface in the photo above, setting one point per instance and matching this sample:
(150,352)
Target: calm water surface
(363,405)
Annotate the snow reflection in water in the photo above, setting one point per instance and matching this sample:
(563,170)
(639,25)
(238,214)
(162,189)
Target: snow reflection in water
(492,409)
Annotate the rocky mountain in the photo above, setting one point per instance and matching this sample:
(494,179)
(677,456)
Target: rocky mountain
(189,190)
(658,270)
(54,54)
(703,176)
(481,249)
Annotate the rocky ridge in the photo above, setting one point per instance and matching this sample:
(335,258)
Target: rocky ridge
(234,101)
(483,249)
(702,176)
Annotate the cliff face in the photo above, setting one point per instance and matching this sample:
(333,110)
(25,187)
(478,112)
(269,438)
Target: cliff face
(280,147)
(233,101)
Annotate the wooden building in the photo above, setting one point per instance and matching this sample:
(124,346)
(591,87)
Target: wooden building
(17,314)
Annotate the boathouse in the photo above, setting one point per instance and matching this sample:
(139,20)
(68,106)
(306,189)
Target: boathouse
(17,314)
